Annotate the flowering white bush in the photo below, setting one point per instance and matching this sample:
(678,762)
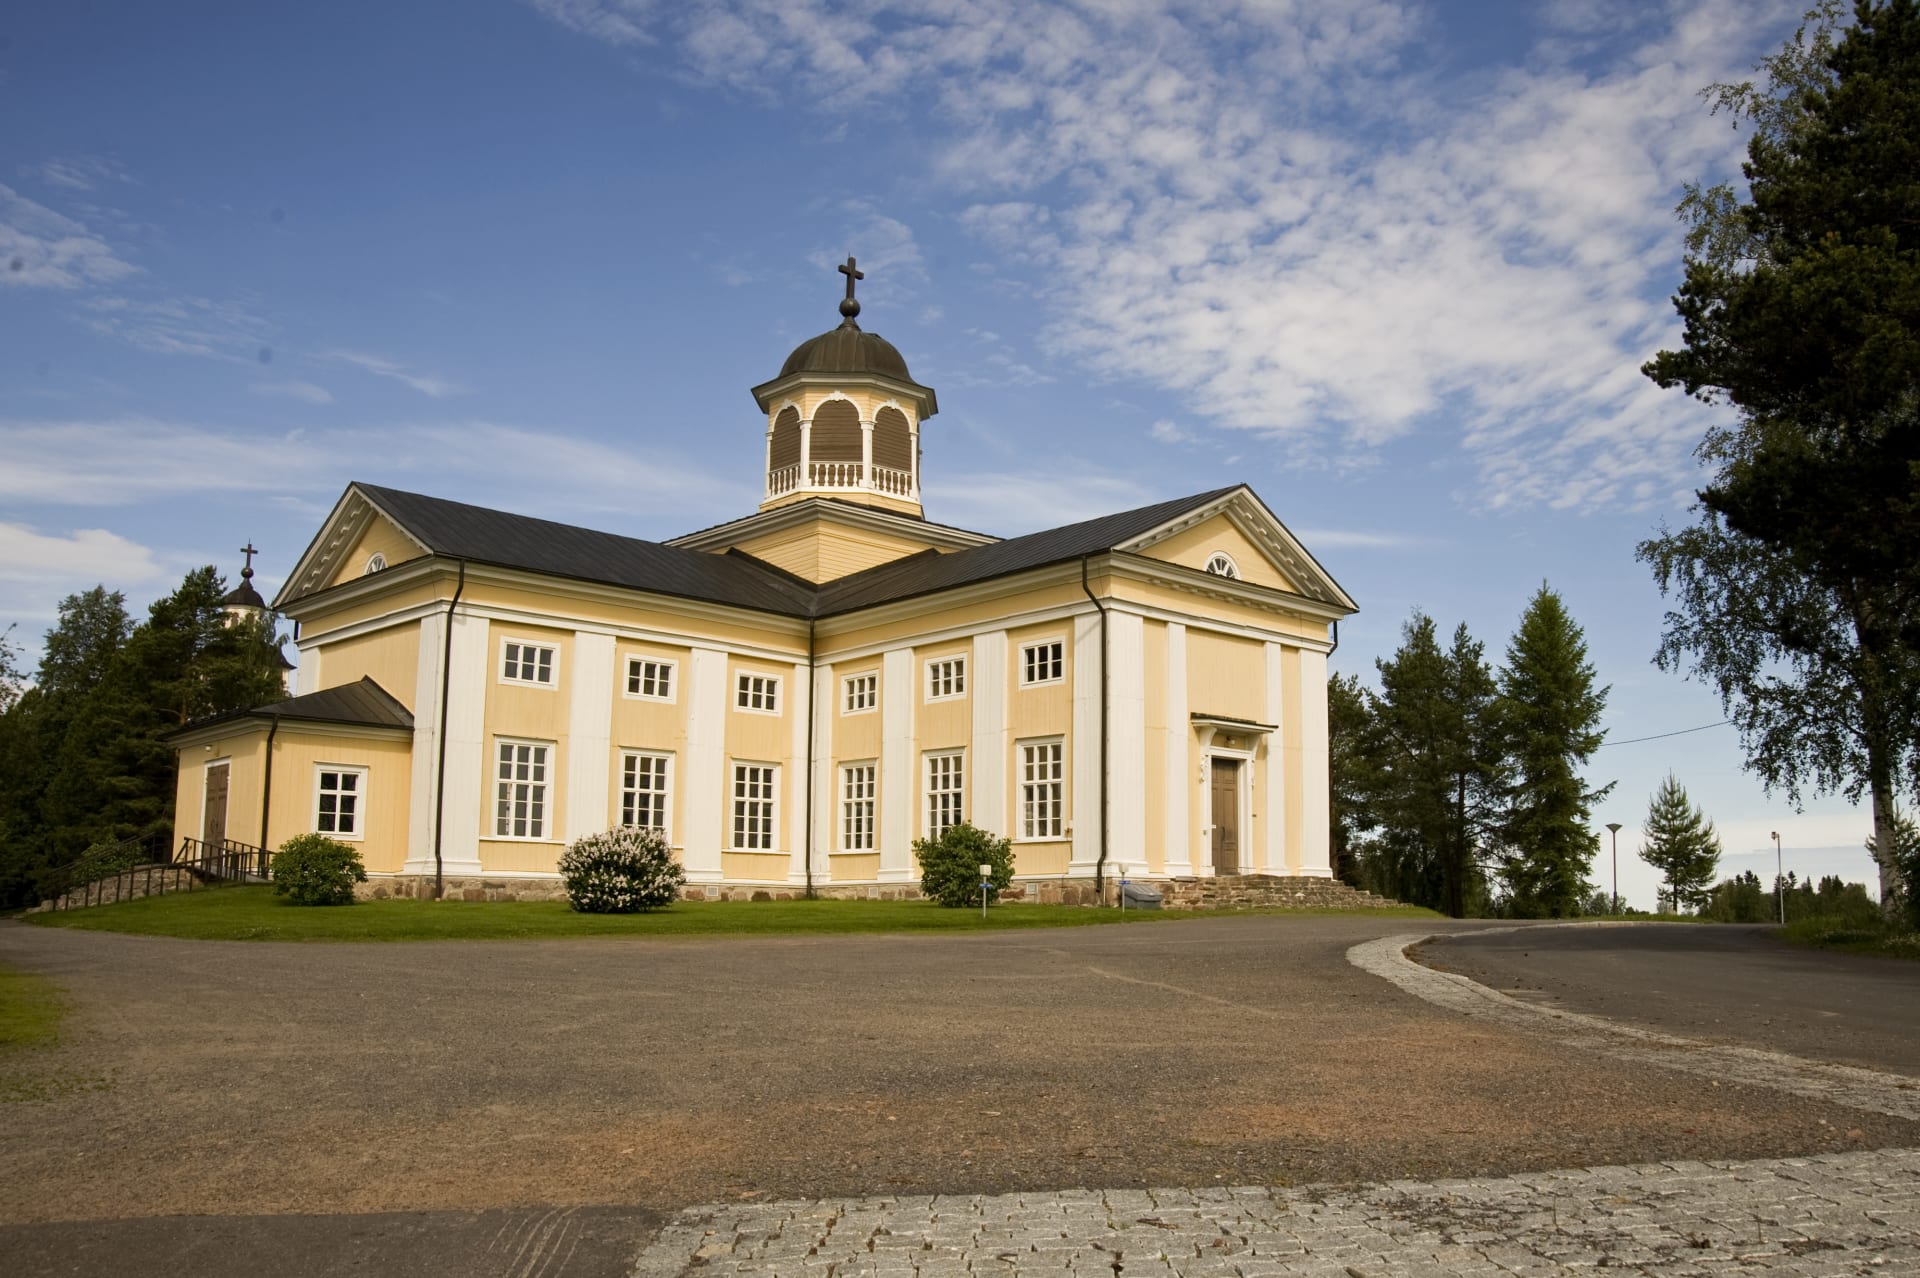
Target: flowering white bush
(620,872)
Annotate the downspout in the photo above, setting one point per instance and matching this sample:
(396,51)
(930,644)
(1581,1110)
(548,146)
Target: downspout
(440,766)
(813,711)
(266,782)
(1336,637)
(1106,675)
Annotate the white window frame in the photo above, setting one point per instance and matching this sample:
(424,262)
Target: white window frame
(665,790)
(525,645)
(742,811)
(946,678)
(859,806)
(635,683)
(1034,788)
(320,792)
(548,765)
(768,690)
(1228,568)
(1058,662)
(945,789)
(867,682)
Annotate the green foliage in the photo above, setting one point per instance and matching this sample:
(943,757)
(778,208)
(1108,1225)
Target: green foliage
(1798,591)
(312,869)
(1902,855)
(1354,780)
(950,865)
(12,677)
(1681,844)
(623,871)
(31,1010)
(1549,711)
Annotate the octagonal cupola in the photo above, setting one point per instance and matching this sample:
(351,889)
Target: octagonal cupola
(843,418)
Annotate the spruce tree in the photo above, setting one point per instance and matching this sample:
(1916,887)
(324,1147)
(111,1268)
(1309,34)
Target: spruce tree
(1681,844)
(1549,710)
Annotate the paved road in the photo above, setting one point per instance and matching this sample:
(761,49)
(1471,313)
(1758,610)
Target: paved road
(1712,982)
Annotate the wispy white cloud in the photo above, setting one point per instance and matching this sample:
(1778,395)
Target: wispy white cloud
(1012,502)
(1167,432)
(306,392)
(82,173)
(40,248)
(89,554)
(1351,539)
(381,366)
(186,325)
(1276,210)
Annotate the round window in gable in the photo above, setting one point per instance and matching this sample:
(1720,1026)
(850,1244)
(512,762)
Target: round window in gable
(1221,565)
(376,562)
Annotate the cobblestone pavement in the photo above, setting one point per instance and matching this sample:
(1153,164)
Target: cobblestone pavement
(1833,1214)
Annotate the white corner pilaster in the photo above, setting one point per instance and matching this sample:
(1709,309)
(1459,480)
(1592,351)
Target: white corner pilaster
(464,786)
(589,736)
(705,789)
(1178,777)
(988,757)
(1087,781)
(1315,854)
(1127,745)
(426,735)
(799,830)
(1273,813)
(898,765)
(306,672)
(824,779)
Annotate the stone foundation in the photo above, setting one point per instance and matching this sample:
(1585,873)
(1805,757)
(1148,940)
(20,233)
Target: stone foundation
(1245,891)
(129,885)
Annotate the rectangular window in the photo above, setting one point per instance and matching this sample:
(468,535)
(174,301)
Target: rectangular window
(856,807)
(649,679)
(643,790)
(521,791)
(863,692)
(1042,662)
(754,787)
(340,796)
(946,677)
(945,787)
(526,662)
(1041,797)
(759,693)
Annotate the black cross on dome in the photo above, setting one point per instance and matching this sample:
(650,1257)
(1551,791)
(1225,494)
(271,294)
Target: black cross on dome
(850,305)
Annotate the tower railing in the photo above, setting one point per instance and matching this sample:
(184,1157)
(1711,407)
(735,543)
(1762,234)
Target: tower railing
(833,476)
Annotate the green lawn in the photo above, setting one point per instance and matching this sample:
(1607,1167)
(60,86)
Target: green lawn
(255,914)
(30,1011)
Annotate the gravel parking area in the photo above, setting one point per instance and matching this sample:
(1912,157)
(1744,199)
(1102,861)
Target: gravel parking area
(234,1079)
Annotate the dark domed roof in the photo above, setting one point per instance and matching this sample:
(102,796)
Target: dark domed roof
(847,349)
(244,596)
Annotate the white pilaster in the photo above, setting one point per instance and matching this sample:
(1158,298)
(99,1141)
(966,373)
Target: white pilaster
(426,738)
(988,757)
(866,452)
(306,672)
(1273,812)
(806,453)
(468,778)
(899,765)
(1085,748)
(825,776)
(799,714)
(1127,744)
(1315,855)
(1178,777)
(589,736)
(706,785)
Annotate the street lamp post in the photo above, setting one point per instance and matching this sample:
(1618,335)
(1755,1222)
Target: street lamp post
(1614,827)
(1779,877)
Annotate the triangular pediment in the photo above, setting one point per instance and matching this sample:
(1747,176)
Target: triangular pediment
(358,537)
(1260,547)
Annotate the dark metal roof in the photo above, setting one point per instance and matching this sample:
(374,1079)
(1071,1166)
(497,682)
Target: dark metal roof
(539,545)
(243,596)
(364,704)
(929,571)
(848,349)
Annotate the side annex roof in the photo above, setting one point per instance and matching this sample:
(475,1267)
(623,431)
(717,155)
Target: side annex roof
(364,704)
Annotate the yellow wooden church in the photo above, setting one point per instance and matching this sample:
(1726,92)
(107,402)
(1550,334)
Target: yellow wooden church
(795,696)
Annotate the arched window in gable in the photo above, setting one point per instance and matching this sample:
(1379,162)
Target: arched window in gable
(1220,564)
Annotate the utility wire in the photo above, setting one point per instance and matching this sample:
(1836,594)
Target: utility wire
(1661,735)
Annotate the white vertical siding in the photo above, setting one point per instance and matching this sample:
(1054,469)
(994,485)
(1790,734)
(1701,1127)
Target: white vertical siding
(1085,746)
(589,735)
(898,765)
(1127,745)
(988,758)
(705,783)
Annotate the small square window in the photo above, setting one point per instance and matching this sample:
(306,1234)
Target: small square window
(1042,662)
(340,796)
(650,679)
(862,693)
(526,663)
(758,693)
(946,677)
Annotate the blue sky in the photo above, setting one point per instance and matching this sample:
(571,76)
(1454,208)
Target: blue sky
(1394,265)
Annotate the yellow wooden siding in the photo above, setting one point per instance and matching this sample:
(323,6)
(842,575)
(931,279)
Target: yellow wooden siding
(1226,675)
(854,867)
(390,657)
(1196,545)
(382,537)
(243,751)
(655,614)
(753,737)
(941,726)
(856,735)
(987,614)
(1203,608)
(1042,858)
(822,549)
(318,619)
(519,856)
(755,867)
(657,727)
(299,756)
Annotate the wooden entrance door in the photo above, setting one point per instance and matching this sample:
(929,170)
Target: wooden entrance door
(213,821)
(1226,816)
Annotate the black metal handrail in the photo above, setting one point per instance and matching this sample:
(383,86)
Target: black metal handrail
(113,873)
(229,860)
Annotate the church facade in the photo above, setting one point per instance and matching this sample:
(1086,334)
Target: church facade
(796,696)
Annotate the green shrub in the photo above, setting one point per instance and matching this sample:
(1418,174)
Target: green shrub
(950,865)
(622,871)
(311,869)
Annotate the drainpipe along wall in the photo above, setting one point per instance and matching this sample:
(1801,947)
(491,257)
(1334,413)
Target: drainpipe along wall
(266,780)
(440,766)
(1100,865)
(813,712)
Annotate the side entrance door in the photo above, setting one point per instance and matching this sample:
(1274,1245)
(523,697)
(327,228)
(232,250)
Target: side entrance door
(213,822)
(1226,816)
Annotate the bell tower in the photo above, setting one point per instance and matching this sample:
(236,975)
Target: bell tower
(844,418)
